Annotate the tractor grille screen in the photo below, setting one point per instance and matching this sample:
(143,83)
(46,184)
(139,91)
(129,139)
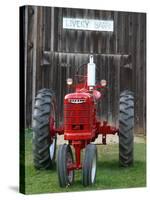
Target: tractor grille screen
(76,116)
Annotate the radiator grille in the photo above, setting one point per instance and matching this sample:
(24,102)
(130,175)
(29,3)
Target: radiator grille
(76,114)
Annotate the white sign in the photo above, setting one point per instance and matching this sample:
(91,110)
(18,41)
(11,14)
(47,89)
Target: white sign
(88,24)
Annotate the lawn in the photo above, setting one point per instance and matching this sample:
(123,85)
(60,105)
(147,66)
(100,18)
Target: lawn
(109,174)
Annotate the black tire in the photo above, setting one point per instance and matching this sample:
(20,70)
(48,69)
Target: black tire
(126,126)
(44,144)
(64,158)
(89,165)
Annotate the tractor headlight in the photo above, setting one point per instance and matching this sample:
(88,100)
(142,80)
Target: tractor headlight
(69,81)
(103,83)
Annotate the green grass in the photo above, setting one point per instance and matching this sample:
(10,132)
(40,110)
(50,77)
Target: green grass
(109,174)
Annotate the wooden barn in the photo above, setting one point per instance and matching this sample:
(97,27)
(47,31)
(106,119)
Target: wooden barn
(50,52)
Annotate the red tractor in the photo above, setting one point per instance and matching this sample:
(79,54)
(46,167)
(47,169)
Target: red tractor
(81,127)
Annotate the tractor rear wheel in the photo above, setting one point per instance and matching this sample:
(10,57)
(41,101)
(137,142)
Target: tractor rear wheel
(126,125)
(64,159)
(44,122)
(89,165)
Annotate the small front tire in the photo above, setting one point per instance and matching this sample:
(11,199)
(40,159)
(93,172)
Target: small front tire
(64,159)
(89,165)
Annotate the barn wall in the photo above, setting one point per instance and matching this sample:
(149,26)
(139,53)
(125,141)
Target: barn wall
(54,54)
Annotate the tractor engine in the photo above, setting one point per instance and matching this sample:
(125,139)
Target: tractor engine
(80,109)
(79,116)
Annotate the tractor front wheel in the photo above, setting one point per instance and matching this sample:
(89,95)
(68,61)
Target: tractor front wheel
(126,125)
(89,165)
(64,160)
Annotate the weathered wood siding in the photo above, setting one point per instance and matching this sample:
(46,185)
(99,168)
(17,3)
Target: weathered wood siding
(54,53)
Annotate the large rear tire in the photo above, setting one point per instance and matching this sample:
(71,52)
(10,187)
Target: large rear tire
(126,125)
(44,121)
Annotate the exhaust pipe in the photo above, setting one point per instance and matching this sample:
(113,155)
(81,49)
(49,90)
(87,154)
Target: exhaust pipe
(91,73)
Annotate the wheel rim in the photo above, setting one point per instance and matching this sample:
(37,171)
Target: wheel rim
(93,171)
(52,149)
(69,172)
(52,122)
